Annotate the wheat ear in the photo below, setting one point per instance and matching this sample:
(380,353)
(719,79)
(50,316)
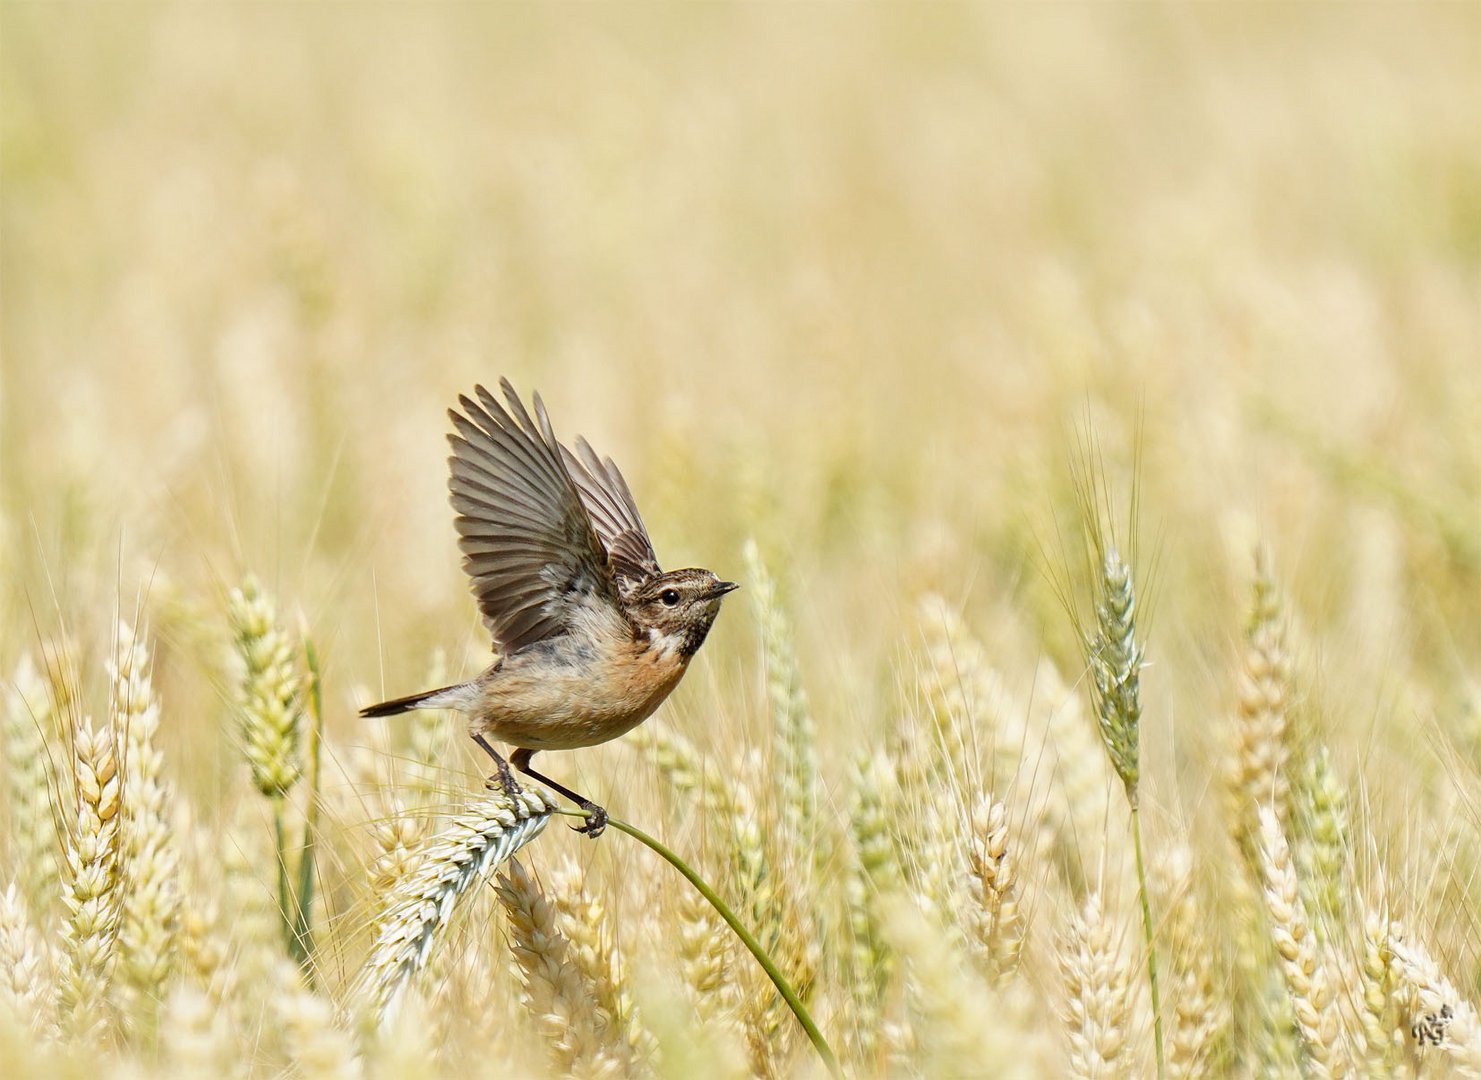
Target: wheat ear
(794,734)
(431,734)
(706,951)
(150,863)
(459,856)
(1115,658)
(1322,847)
(1311,989)
(1199,1013)
(90,890)
(1257,774)
(196,1037)
(1383,1041)
(559,1001)
(874,871)
(271,715)
(318,1047)
(1097,994)
(994,916)
(29,721)
(584,921)
(959,1026)
(681,764)
(23,969)
(1439,1017)
(775,913)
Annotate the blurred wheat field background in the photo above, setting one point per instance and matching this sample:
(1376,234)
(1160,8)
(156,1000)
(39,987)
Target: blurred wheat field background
(861,300)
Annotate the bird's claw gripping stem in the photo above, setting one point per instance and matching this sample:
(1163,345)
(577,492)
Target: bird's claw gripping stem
(596,819)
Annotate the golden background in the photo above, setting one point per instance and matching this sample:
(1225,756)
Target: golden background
(858,282)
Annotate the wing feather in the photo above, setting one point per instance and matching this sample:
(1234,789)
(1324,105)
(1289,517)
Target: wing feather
(609,503)
(528,542)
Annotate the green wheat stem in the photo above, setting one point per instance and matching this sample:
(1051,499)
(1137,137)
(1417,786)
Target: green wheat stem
(303,930)
(779,980)
(1141,883)
(285,893)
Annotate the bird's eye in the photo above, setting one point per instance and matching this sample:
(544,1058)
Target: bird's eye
(669,596)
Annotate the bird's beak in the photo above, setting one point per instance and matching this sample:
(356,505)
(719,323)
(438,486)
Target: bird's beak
(720,588)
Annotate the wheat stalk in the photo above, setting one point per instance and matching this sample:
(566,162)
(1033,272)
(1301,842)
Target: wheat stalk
(249,908)
(964,696)
(398,838)
(771,903)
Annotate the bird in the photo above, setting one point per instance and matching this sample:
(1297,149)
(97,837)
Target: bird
(590,635)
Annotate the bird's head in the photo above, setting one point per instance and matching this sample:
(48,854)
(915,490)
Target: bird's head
(678,608)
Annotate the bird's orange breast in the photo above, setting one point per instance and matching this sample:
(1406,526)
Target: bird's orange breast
(582,699)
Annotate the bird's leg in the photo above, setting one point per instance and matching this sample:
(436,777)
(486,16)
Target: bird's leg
(506,778)
(596,820)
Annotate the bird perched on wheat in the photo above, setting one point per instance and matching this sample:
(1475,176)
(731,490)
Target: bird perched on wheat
(590,634)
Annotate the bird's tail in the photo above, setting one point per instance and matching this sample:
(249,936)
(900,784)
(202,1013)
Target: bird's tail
(444,697)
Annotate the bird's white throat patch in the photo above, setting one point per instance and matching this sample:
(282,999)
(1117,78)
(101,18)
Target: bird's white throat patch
(665,644)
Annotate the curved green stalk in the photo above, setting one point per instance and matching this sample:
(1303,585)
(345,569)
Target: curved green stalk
(784,987)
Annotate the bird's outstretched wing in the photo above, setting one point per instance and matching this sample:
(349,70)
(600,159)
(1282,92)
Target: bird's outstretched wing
(613,514)
(527,540)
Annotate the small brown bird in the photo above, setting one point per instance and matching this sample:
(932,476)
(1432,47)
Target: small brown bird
(590,634)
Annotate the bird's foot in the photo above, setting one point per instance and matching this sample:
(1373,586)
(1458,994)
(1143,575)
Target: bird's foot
(504,778)
(596,819)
